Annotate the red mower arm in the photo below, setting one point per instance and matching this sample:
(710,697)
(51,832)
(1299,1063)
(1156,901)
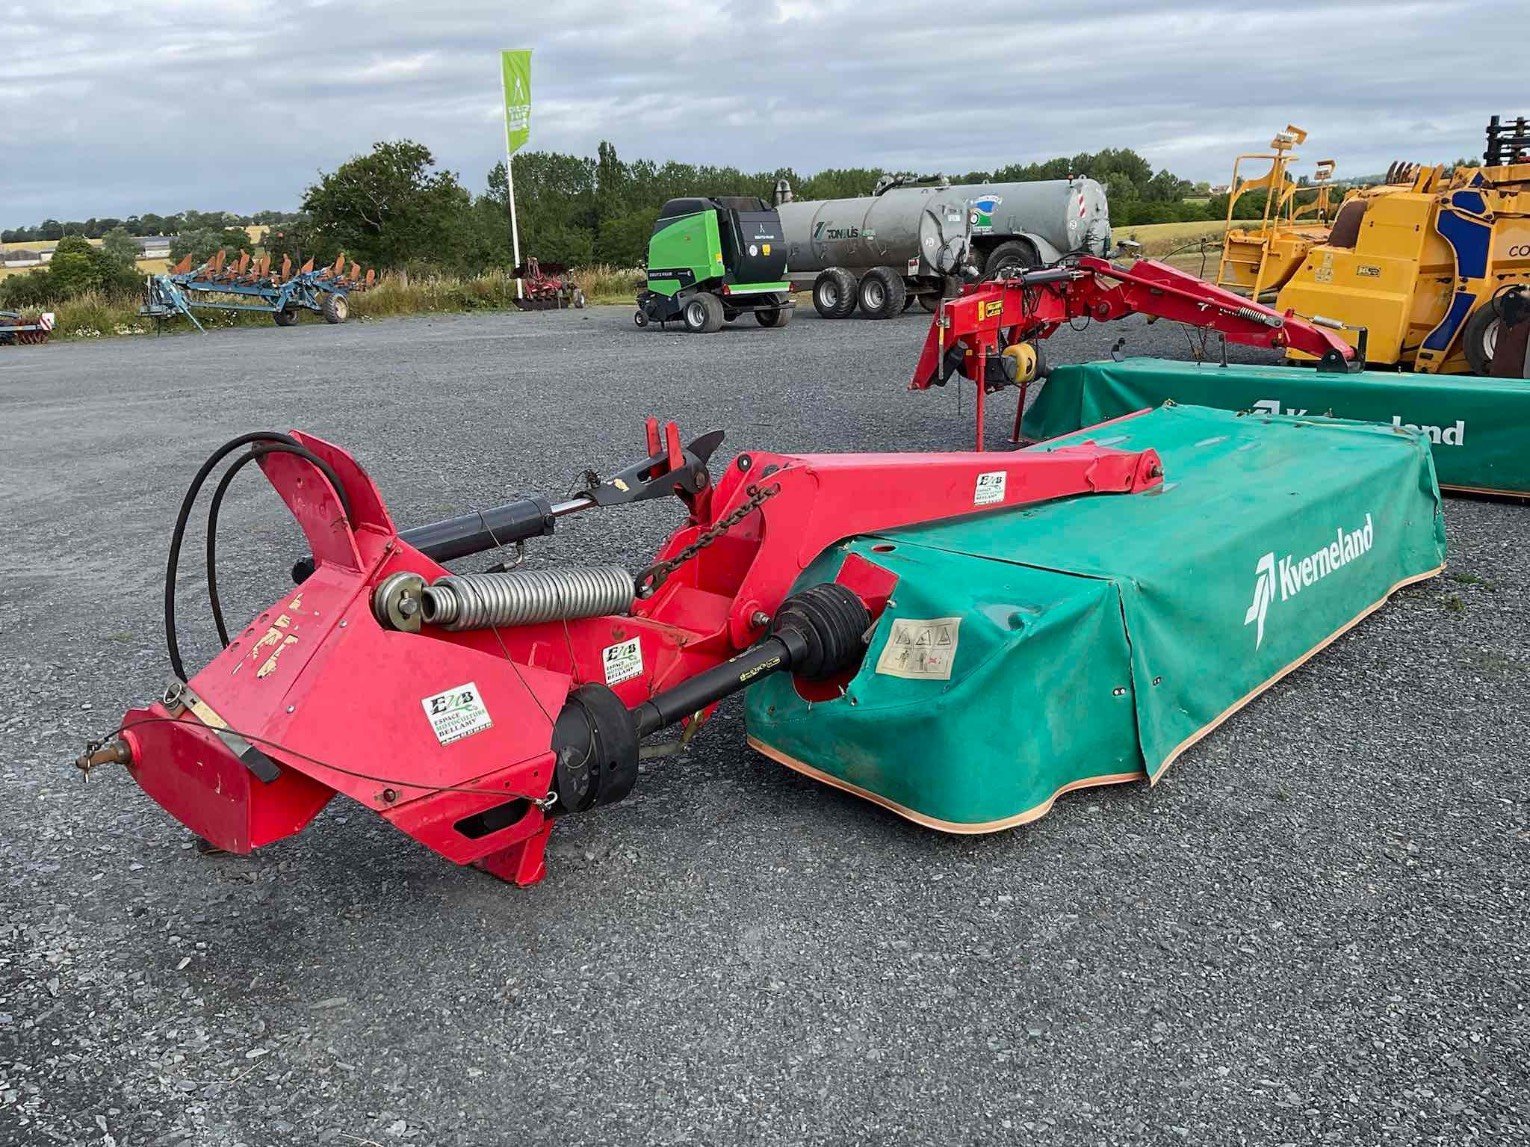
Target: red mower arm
(970,334)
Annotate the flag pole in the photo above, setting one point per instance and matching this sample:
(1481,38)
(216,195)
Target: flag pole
(515,136)
(515,233)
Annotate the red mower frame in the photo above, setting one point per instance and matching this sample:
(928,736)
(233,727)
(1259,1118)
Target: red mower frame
(970,335)
(457,738)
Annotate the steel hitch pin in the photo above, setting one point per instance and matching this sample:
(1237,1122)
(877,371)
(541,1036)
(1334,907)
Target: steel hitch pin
(98,753)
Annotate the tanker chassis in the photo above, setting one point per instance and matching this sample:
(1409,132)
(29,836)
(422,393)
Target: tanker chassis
(912,241)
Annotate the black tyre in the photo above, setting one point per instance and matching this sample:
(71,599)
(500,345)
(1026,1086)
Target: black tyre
(1346,224)
(285,318)
(1479,338)
(1016,255)
(774,316)
(834,293)
(703,314)
(729,314)
(336,308)
(930,301)
(640,318)
(882,293)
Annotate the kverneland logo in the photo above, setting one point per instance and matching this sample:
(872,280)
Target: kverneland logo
(1283,578)
(1452,434)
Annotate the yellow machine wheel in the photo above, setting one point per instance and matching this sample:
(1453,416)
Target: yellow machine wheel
(1030,362)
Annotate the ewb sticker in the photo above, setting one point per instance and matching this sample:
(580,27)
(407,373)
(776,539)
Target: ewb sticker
(989,490)
(457,713)
(623,661)
(920,649)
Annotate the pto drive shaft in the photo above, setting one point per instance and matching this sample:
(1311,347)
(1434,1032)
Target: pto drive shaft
(817,633)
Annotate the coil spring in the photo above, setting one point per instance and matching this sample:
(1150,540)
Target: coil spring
(525,597)
(1259,316)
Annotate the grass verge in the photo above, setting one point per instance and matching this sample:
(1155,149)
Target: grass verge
(95,315)
(603,283)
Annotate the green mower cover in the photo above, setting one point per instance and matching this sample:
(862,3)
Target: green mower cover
(1091,640)
(1479,427)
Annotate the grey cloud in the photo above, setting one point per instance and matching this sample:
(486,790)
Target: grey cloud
(109,109)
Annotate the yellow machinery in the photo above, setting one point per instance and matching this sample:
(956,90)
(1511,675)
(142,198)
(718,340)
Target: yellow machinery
(1435,264)
(1259,259)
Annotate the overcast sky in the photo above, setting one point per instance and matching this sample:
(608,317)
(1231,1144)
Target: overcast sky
(119,108)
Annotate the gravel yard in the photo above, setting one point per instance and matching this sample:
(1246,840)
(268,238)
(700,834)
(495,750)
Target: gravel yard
(1312,930)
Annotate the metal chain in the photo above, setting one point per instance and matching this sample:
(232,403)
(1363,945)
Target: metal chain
(657,574)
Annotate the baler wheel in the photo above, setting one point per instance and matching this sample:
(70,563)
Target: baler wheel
(773,316)
(703,314)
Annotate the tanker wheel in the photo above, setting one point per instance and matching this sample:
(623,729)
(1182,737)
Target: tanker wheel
(1006,258)
(930,301)
(834,294)
(703,314)
(335,309)
(1479,338)
(882,293)
(773,316)
(285,318)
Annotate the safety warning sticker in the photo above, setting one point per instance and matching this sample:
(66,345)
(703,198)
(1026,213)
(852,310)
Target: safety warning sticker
(990,489)
(920,649)
(457,713)
(623,661)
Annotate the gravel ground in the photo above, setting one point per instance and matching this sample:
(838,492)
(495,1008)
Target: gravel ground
(1312,930)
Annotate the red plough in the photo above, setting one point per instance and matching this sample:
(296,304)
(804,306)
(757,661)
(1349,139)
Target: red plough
(23,329)
(547,287)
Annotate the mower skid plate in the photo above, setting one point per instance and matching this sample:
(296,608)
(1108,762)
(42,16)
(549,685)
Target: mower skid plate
(1090,641)
(1479,428)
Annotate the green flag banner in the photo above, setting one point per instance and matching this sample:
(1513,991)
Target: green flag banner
(516,67)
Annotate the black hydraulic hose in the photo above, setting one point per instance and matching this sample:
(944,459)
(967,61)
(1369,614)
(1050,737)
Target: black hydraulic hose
(178,534)
(213,599)
(257,451)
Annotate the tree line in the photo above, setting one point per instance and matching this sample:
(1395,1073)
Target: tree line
(394,209)
(51,230)
(77,268)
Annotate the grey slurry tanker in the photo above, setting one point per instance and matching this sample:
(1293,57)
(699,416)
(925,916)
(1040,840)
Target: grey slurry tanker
(907,240)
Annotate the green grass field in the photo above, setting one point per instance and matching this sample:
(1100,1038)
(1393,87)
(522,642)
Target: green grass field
(145,266)
(1159,239)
